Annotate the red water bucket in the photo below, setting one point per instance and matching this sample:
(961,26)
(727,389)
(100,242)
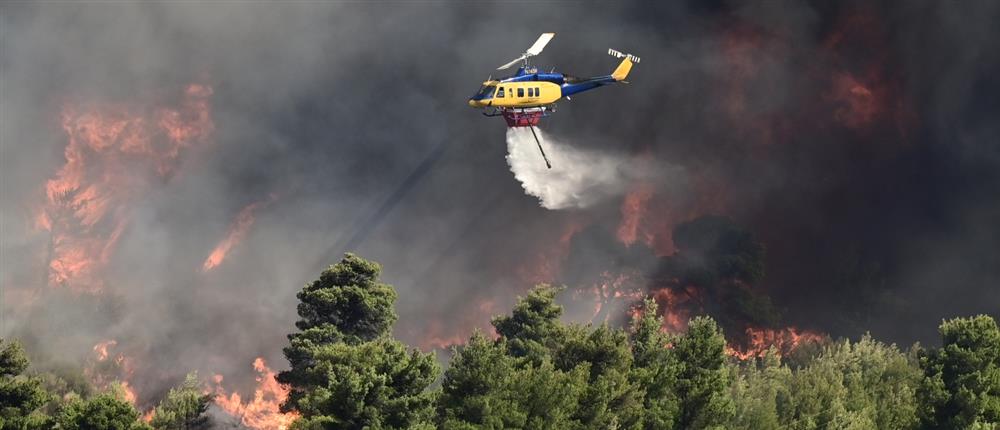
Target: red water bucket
(522,118)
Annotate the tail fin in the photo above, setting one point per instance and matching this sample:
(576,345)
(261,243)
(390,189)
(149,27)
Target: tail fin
(621,72)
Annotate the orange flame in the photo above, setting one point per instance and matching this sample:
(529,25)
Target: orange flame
(633,210)
(237,231)
(624,288)
(129,392)
(101,349)
(261,413)
(108,369)
(675,307)
(112,153)
(785,340)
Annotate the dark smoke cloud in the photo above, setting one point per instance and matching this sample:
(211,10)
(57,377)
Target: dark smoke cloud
(883,221)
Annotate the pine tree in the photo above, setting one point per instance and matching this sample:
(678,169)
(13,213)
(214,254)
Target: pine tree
(347,372)
(106,411)
(183,408)
(20,396)
(961,388)
(533,329)
(704,378)
(655,369)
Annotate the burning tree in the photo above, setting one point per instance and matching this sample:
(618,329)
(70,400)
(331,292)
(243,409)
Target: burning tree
(716,269)
(346,369)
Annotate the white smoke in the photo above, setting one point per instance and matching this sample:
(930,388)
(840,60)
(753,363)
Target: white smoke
(578,178)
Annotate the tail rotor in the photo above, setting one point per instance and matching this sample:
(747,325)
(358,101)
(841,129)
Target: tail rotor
(619,54)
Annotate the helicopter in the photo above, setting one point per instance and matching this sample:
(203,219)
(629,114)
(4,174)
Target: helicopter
(526,97)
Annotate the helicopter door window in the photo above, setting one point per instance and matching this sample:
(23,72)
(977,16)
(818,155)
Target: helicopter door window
(500,93)
(520,92)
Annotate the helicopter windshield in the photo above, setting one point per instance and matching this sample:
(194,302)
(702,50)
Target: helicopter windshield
(485,93)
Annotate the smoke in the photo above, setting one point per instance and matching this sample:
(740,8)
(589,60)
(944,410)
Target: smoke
(855,141)
(579,178)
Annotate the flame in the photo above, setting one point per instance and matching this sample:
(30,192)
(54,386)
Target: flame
(785,340)
(129,392)
(675,307)
(651,218)
(633,210)
(237,231)
(262,412)
(624,288)
(114,151)
(108,369)
(101,349)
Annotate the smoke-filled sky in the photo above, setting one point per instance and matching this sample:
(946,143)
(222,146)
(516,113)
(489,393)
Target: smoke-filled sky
(858,141)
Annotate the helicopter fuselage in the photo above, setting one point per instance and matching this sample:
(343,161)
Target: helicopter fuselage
(530,89)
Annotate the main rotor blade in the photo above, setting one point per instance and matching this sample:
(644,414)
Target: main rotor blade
(516,60)
(540,43)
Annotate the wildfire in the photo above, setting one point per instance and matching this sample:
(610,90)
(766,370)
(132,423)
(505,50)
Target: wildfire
(622,288)
(109,369)
(237,231)
(101,349)
(759,340)
(129,392)
(675,307)
(633,210)
(262,412)
(113,153)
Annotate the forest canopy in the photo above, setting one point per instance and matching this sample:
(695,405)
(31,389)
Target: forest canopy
(537,372)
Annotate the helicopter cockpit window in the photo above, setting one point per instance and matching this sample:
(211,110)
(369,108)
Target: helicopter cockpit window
(486,92)
(500,93)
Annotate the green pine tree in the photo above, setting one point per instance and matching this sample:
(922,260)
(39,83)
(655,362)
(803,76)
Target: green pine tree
(961,388)
(704,377)
(655,369)
(347,372)
(106,411)
(21,396)
(183,408)
(533,329)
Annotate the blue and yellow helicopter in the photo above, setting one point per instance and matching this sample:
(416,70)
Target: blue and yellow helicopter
(526,97)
